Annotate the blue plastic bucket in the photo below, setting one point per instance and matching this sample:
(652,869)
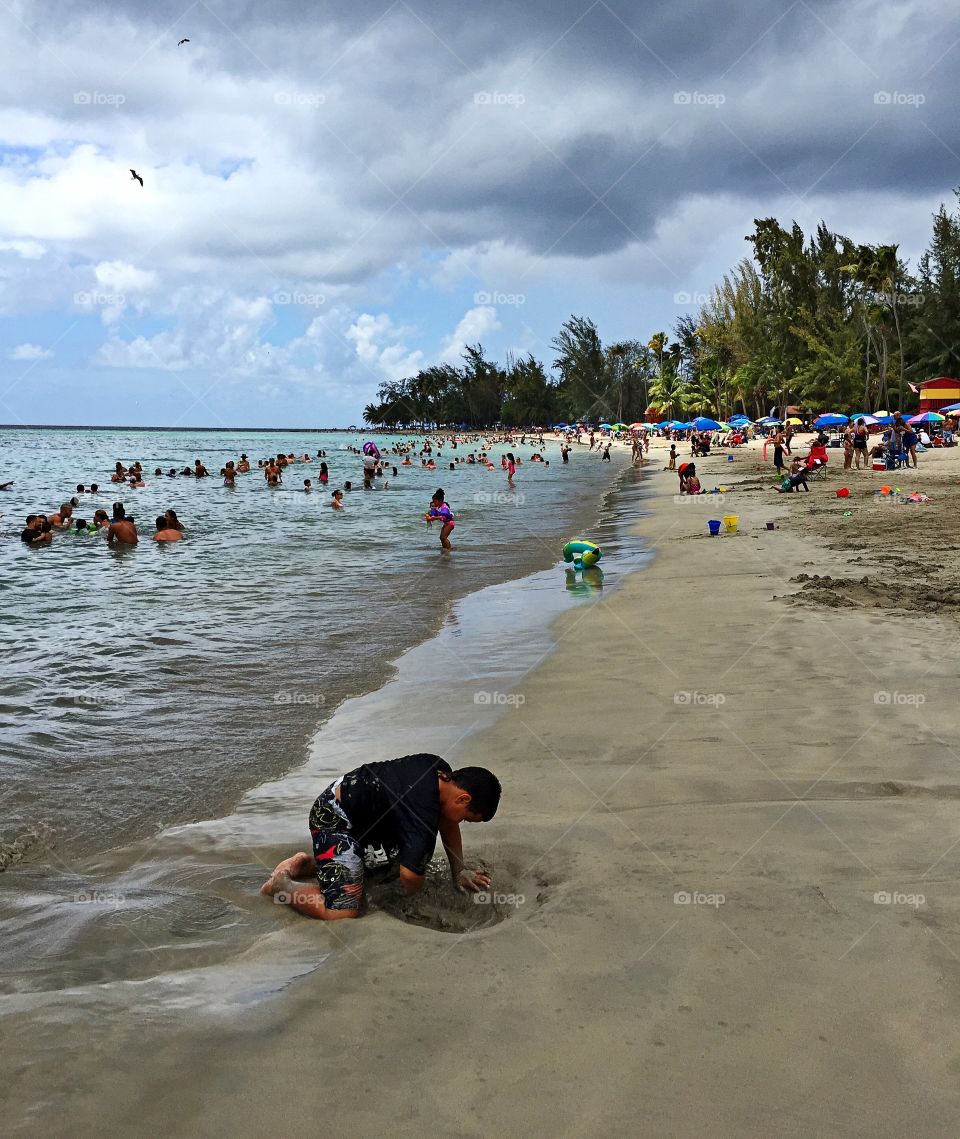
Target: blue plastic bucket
(714,525)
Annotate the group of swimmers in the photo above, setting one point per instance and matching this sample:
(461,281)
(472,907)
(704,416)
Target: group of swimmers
(120,530)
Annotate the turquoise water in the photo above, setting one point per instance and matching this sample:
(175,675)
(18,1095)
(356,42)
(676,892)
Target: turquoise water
(154,685)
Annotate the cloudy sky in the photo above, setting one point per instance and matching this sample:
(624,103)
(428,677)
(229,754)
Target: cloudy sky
(340,194)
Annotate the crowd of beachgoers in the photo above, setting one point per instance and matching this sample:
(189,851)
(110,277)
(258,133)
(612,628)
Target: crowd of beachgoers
(303,472)
(869,442)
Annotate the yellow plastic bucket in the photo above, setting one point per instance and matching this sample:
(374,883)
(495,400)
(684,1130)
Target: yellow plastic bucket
(730,523)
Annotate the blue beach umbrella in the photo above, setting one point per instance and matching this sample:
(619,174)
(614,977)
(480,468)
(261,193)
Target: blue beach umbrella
(831,420)
(702,423)
(605,426)
(740,420)
(951,407)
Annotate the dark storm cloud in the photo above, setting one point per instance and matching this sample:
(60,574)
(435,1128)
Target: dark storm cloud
(618,111)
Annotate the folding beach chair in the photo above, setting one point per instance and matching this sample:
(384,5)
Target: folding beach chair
(818,471)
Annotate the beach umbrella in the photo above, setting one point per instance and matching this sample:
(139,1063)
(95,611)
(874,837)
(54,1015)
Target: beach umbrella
(951,407)
(868,419)
(768,421)
(927,417)
(794,422)
(832,419)
(702,423)
(635,426)
(605,426)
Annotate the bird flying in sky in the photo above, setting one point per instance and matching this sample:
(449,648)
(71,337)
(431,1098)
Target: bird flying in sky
(135,176)
(182,42)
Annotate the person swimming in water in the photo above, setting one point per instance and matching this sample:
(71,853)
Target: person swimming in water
(336,500)
(165,532)
(122,530)
(440,512)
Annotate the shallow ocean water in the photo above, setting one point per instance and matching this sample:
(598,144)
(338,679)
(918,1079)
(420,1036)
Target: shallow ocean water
(153,685)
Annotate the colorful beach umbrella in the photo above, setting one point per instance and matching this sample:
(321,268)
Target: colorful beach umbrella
(865,416)
(927,417)
(832,419)
(951,407)
(703,423)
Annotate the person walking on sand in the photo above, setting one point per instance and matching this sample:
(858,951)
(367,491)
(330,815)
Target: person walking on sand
(778,462)
(381,814)
(848,449)
(859,438)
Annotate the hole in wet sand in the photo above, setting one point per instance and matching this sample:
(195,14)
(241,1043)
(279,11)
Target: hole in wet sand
(441,908)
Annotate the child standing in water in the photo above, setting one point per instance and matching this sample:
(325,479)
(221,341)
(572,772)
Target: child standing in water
(511,467)
(324,474)
(440,511)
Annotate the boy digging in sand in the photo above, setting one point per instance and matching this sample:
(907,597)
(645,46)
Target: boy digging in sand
(380,813)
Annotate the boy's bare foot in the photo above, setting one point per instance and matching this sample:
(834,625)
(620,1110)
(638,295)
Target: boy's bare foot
(290,868)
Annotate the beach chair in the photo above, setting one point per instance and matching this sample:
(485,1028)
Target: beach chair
(817,471)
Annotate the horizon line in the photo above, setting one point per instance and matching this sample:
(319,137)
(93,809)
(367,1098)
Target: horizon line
(157,427)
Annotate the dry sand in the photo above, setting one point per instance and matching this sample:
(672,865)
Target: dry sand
(706,790)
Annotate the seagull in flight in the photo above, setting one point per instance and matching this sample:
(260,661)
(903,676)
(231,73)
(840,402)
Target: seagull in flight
(135,176)
(182,42)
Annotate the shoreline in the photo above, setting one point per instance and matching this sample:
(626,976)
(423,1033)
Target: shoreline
(325,666)
(699,948)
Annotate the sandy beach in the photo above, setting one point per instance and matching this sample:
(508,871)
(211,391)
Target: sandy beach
(725,867)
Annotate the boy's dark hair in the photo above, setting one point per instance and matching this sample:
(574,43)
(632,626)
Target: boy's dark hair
(482,786)
(161,522)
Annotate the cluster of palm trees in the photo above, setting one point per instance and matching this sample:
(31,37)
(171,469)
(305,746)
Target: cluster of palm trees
(819,321)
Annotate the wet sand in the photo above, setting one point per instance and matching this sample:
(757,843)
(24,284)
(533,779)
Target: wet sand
(726,861)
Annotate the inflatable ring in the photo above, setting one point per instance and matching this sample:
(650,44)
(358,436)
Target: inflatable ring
(371,449)
(582,554)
